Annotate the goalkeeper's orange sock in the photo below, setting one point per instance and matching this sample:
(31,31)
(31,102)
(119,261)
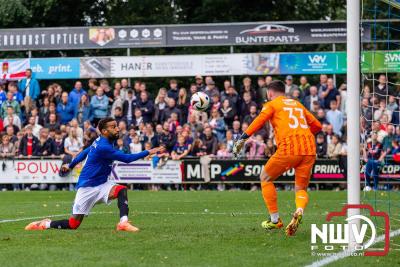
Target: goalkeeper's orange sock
(301,200)
(270,199)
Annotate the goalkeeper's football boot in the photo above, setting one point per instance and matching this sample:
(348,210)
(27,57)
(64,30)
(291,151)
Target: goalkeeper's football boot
(38,225)
(294,223)
(269,225)
(127,226)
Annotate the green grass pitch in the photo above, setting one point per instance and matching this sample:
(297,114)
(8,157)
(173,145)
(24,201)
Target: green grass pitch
(203,228)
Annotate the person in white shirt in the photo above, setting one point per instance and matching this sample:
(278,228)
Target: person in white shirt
(135,146)
(11,118)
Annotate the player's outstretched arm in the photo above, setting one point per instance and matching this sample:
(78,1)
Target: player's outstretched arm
(79,158)
(115,154)
(315,125)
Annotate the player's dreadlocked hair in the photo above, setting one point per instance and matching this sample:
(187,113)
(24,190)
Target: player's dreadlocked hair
(277,86)
(103,123)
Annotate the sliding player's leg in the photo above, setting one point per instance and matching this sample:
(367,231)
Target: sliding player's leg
(275,167)
(302,178)
(72,223)
(120,192)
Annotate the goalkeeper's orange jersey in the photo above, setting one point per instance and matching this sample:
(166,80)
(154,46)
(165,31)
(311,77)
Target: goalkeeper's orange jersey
(294,126)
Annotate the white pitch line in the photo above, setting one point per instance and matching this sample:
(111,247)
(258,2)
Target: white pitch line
(348,252)
(41,217)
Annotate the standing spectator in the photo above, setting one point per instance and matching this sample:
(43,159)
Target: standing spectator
(44,110)
(92,85)
(118,102)
(180,149)
(247,87)
(10,102)
(135,146)
(11,119)
(79,131)
(128,139)
(45,145)
(65,110)
(289,85)
(218,125)
(343,99)
(72,145)
(335,117)
(84,110)
(330,93)
(118,116)
(138,119)
(236,130)
(270,148)
(322,149)
(256,147)
(229,140)
(30,89)
(261,91)
(124,89)
(304,86)
(387,140)
(160,105)
(3,96)
(382,90)
(246,104)
(210,141)
(136,87)
(29,143)
(373,157)
(17,96)
(129,106)
(173,91)
(334,148)
(323,83)
(171,109)
(75,95)
(107,91)
(199,83)
(35,126)
(11,133)
(7,149)
(196,126)
(146,106)
(99,106)
(52,124)
(228,113)
(251,116)
(183,105)
(311,98)
(232,96)
(211,90)
(223,151)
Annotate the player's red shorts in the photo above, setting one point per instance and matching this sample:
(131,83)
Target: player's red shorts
(303,166)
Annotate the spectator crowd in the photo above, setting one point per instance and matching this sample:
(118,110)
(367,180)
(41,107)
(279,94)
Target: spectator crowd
(56,121)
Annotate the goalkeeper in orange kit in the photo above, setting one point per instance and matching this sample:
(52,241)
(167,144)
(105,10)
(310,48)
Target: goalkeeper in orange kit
(294,129)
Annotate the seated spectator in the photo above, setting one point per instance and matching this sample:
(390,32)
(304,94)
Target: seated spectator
(223,151)
(218,125)
(160,104)
(334,148)
(120,146)
(123,132)
(236,130)
(210,141)
(10,102)
(229,140)
(129,138)
(128,107)
(321,146)
(392,105)
(135,146)
(65,110)
(84,110)
(29,143)
(35,113)
(167,138)
(387,140)
(173,123)
(180,150)
(118,116)
(7,149)
(335,117)
(251,116)
(99,106)
(45,145)
(72,145)
(146,106)
(17,143)
(256,147)
(195,125)
(150,136)
(382,111)
(58,144)
(11,119)
(35,126)
(270,148)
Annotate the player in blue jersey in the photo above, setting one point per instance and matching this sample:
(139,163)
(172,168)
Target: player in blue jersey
(93,185)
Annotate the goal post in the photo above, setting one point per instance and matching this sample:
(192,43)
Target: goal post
(353,110)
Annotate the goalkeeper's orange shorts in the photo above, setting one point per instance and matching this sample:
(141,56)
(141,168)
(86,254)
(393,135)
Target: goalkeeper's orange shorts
(303,166)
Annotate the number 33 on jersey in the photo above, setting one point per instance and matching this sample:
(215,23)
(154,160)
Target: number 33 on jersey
(294,126)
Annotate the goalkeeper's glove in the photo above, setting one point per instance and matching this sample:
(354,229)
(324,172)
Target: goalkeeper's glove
(238,145)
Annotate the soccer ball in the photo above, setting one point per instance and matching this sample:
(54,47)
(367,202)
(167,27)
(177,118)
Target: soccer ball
(200,101)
